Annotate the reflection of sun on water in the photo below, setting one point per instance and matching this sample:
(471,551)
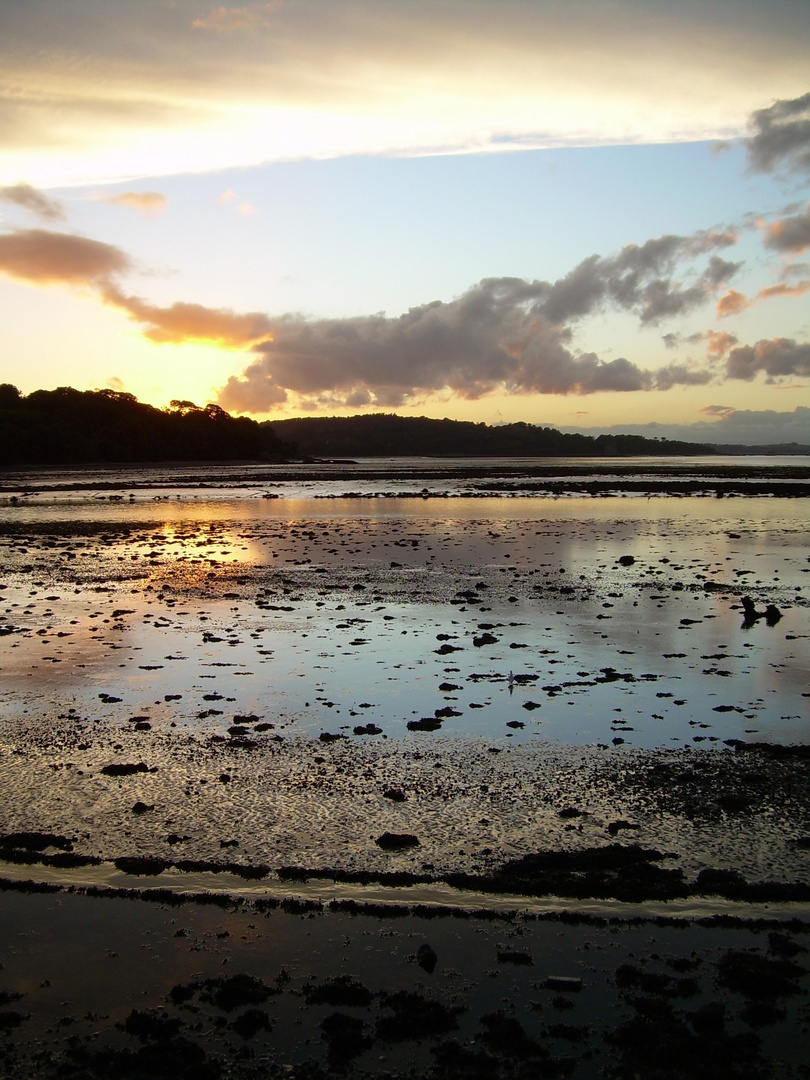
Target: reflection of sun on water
(188,554)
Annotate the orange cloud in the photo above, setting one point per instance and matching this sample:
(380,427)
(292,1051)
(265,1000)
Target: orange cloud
(719,343)
(40,257)
(734,302)
(783,289)
(731,304)
(145,202)
(191,322)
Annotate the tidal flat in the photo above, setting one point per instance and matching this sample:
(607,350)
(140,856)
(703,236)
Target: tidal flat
(323,717)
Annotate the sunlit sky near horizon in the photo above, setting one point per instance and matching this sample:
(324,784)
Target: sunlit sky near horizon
(586,214)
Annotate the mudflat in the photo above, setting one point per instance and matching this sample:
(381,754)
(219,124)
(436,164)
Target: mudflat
(395,782)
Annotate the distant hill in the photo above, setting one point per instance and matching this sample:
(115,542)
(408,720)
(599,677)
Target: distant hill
(74,427)
(767,450)
(388,435)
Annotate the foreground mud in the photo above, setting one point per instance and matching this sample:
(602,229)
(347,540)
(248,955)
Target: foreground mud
(113,986)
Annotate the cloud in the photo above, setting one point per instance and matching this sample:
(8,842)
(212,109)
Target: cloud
(783,289)
(504,334)
(777,359)
(249,17)
(681,375)
(718,410)
(674,339)
(96,92)
(486,340)
(732,303)
(41,257)
(30,199)
(791,234)
(244,207)
(719,343)
(145,202)
(190,322)
(781,136)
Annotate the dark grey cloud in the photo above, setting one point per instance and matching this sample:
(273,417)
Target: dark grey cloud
(777,359)
(781,136)
(503,334)
(29,198)
(790,235)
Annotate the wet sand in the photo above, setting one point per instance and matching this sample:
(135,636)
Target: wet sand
(113,986)
(558,717)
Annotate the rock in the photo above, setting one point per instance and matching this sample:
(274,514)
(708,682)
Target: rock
(396,841)
(142,808)
(615,826)
(771,614)
(340,992)
(426,958)
(709,1018)
(238,990)
(148,1025)
(124,770)
(345,1037)
(251,1022)
(140,864)
(414,1017)
(510,956)
(569,983)
(394,794)
(426,723)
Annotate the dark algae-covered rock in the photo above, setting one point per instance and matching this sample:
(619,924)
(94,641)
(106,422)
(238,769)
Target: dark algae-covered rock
(389,841)
(413,1017)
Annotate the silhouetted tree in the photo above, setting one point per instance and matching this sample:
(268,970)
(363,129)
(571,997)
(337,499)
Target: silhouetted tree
(67,426)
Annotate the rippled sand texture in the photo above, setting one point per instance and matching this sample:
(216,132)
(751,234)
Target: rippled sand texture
(277,668)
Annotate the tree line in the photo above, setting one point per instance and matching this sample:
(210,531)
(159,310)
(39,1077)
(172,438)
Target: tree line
(389,435)
(75,427)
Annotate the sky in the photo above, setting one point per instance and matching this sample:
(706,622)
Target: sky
(588,214)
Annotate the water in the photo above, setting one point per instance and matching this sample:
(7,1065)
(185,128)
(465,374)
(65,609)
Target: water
(505,618)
